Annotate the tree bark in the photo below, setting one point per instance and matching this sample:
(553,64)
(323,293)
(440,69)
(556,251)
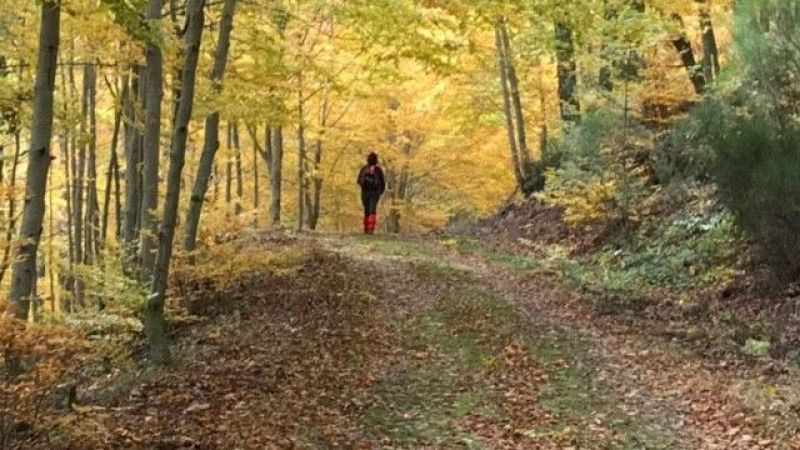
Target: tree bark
(505,92)
(211,130)
(710,61)
(276,176)
(513,84)
(318,148)
(130,232)
(79,158)
(229,168)
(91,221)
(237,157)
(66,139)
(151,145)
(12,206)
(567,75)
(112,164)
(301,159)
(155,326)
(24,271)
(685,51)
(256,182)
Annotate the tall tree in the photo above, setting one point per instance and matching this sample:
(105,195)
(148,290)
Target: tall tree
(301,156)
(24,271)
(211,130)
(276,175)
(152,138)
(132,170)
(91,221)
(710,60)
(567,75)
(155,326)
(506,93)
(112,173)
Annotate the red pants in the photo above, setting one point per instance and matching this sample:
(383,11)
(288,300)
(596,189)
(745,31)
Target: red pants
(370,201)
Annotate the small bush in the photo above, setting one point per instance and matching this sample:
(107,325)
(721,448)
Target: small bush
(602,173)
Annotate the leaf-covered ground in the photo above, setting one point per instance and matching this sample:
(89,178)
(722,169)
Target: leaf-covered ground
(352,342)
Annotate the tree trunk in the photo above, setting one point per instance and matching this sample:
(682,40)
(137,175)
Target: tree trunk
(504,90)
(11,223)
(711,65)
(522,142)
(567,75)
(229,168)
(276,176)
(112,163)
(684,49)
(24,271)
(211,130)
(317,176)
(256,184)
(151,147)
(79,157)
(155,326)
(301,160)
(130,232)
(91,221)
(66,139)
(237,157)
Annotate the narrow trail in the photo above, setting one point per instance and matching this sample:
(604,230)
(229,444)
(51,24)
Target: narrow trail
(385,342)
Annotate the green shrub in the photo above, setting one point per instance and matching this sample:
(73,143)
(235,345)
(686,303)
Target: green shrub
(755,136)
(758,174)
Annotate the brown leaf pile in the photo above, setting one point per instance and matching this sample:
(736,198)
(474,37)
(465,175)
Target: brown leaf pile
(282,366)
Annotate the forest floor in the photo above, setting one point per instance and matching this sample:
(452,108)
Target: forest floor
(407,342)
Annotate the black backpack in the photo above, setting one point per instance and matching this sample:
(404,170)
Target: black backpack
(371,181)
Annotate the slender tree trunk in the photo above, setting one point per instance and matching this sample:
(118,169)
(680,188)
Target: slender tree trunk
(211,130)
(265,153)
(112,164)
(215,177)
(522,141)
(24,271)
(151,150)
(229,168)
(685,51)
(155,325)
(256,184)
(79,156)
(504,90)
(318,147)
(11,192)
(301,160)
(66,139)
(711,65)
(276,176)
(567,75)
(237,156)
(117,199)
(91,220)
(130,232)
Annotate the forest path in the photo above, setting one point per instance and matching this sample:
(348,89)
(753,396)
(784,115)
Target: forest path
(604,385)
(404,342)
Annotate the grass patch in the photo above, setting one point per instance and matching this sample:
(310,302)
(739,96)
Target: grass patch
(442,379)
(585,408)
(469,246)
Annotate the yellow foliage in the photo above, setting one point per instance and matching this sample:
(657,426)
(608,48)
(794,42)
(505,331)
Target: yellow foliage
(584,202)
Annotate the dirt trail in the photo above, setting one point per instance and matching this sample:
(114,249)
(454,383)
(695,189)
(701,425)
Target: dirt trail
(381,342)
(663,396)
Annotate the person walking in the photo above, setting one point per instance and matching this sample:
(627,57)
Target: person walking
(373,184)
